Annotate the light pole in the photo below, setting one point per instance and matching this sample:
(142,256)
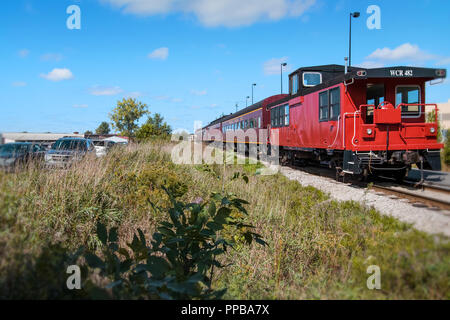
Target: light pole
(246,101)
(284,64)
(236,106)
(352,15)
(253,85)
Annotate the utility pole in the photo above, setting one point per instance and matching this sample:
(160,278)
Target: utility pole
(253,85)
(352,15)
(284,64)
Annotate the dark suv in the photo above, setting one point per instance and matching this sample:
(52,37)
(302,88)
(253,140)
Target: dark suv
(66,151)
(18,153)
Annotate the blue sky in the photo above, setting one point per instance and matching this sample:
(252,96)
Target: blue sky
(192,59)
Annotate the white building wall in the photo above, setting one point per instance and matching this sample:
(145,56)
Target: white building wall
(444,112)
(8,137)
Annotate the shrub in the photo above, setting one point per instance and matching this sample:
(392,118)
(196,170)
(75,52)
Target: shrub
(179,261)
(447,149)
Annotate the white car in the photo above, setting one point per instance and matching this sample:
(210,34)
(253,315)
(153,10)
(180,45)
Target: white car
(102,147)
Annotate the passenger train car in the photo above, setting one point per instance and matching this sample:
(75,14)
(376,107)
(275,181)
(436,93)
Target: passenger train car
(357,120)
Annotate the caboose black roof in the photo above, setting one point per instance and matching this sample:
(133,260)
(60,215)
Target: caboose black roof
(325,68)
(386,72)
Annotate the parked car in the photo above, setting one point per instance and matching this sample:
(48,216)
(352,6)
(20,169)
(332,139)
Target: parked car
(19,153)
(66,151)
(102,147)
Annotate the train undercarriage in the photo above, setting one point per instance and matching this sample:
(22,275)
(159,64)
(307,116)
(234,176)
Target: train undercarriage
(395,164)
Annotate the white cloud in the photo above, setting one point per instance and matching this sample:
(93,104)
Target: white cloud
(403,52)
(160,53)
(167,98)
(273,66)
(58,75)
(80,106)
(19,84)
(105,91)
(230,13)
(24,53)
(55,57)
(406,52)
(161,98)
(199,92)
(370,65)
(135,94)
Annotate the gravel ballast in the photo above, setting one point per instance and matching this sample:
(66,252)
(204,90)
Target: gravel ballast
(422,218)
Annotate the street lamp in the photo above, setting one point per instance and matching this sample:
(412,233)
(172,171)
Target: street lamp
(246,101)
(284,64)
(352,15)
(237,106)
(253,85)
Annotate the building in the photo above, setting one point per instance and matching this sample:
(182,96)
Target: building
(109,137)
(444,111)
(48,138)
(45,139)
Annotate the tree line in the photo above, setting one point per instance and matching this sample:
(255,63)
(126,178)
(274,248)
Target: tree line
(125,120)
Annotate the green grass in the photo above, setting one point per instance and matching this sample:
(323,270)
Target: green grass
(318,248)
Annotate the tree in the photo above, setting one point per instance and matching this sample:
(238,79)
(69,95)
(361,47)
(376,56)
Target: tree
(447,149)
(88,133)
(431,117)
(103,128)
(126,114)
(154,126)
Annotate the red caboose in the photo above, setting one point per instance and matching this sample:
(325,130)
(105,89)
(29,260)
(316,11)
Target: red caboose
(361,121)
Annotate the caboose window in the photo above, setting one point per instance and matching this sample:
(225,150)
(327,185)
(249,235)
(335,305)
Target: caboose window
(375,93)
(294,80)
(311,79)
(286,115)
(277,117)
(323,106)
(281,116)
(408,95)
(334,104)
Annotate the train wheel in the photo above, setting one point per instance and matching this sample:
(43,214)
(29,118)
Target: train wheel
(364,175)
(400,175)
(300,162)
(284,159)
(340,174)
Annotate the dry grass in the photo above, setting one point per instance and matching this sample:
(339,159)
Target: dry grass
(318,248)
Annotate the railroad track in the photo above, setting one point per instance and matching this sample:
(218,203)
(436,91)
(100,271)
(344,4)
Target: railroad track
(429,196)
(426,194)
